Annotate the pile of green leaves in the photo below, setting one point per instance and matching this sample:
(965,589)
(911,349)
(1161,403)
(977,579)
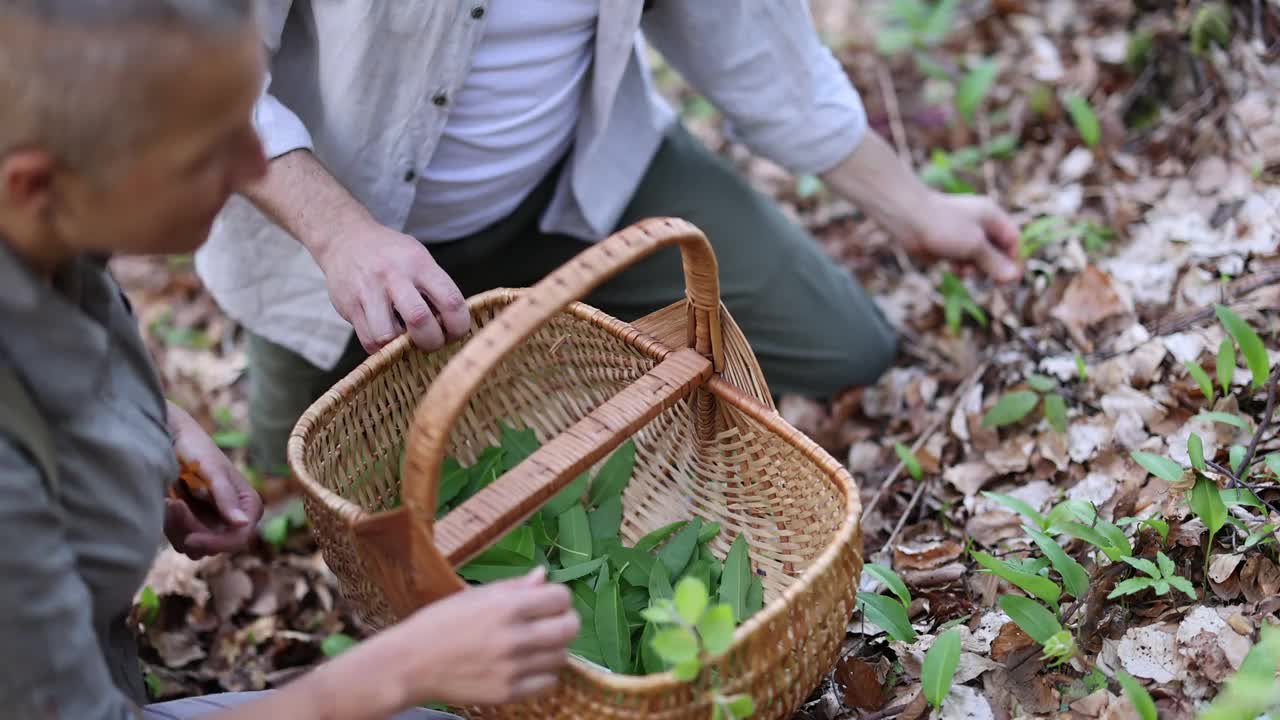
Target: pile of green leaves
(577,537)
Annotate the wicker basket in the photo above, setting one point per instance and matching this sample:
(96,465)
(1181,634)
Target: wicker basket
(682,383)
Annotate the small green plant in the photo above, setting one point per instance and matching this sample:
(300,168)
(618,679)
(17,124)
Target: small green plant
(915,25)
(1253,689)
(276,529)
(1138,695)
(950,171)
(888,613)
(1210,26)
(690,631)
(1048,229)
(1040,625)
(1084,118)
(939,669)
(974,86)
(1255,353)
(1226,365)
(1161,578)
(1014,406)
(148,606)
(909,460)
(957,302)
(1202,379)
(336,644)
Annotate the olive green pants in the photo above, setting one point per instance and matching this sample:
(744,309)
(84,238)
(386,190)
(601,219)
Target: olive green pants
(813,328)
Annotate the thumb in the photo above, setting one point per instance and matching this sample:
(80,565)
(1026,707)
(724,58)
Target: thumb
(227,498)
(535,577)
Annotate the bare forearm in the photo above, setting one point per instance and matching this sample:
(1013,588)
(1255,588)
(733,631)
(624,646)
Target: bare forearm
(304,198)
(875,179)
(354,686)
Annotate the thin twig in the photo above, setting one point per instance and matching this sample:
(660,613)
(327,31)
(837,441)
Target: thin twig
(984,138)
(890,93)
(905,513)
(1266,419)
(885,713)
(1237,482)
(928,433)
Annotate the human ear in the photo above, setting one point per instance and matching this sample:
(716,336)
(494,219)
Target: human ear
(27,181)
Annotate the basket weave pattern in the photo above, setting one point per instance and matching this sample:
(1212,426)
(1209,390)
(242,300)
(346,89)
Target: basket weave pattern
(722,454)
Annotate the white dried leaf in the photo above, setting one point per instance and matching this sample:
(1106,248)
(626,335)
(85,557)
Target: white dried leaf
(1185,346)
(1076,164)
(1149,652)
(1223,566)
(1012,456)
(969,477)
(966,703)
(1053,447)
(970,404)
(1086,437)
(1127,400)
(987,631)
(1095,488)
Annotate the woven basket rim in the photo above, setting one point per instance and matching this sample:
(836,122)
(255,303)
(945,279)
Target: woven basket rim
(772,421)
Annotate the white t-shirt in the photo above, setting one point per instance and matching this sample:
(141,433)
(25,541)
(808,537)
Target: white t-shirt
(513,119)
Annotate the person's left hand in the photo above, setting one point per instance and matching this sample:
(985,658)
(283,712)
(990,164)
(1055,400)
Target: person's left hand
(966,229)
(227,521)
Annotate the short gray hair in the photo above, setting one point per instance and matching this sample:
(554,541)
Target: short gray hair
(71,71)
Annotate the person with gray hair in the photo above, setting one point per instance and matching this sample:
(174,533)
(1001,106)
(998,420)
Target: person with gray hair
(125,125)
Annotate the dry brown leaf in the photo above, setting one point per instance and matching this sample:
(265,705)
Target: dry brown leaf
(860,684)
(1260,578)
(1223,566)
(969,477)
(230,588)
(1092,705)
(1090,299)
(926,555)
(1210,646)
(935,577)
(1010,641)
(1013,456)
(966,703)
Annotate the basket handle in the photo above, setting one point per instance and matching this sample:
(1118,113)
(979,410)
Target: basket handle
(488,515)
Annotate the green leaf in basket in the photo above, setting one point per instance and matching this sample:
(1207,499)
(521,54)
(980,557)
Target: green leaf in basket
(716,629)
(708,533)
(611,628)
(636,567)
(606,519)
(584,602)
(574,572)
(483,471)
(717,568)
(614,475)
(602,579)
(659,582)
(755,596)
(575,536)
(478,573)
(453,480)
(691,600)
(542,536)
(587,645)
(650,661)
(517,445)
(515,548)
(677,553)
(657,537)
(699,570)
(568,497)
(687,671)
(736,579)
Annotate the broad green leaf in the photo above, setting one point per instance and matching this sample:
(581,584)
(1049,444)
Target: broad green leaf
(1019,506)
(939,20)
(662,612)
(1162,587)
(716,629)
(584,601)
(1183,585)
(541,536)
(650,661)
(676,645)
(573,572)
(1265,533)
(660,582)
(515,548)
(453,480)
(614,474)
(1240,496)
(909,460)
(974,87)
(1195,450)
(1031,617)
(1011,408)
(891,41)
(1143,565)
(1074,577)
(679,550)
(1085,120)
(484,470)
(611,628)
(336,644)
(568,497)
(1043,588)
(478,573)
(1167,567)
(685,672)
(1055,411)
(886,575)
(887,614)
(1206,502)
(1160,526)
(1041,383)
(1114,535)
(742,706)
(1079,510)
(1131,586)
(755,596)
(656,538)
(1082,371)
(1255,354)
(1202,379)
(574,537)
(1093,537)
(517,445)
(1226,419)
(148,605)
(691,600)
(1273,463)
(736,578)
(939,668)
(1235,456)
(1138,696)
(636,567)
(606,520)
(708,532)
(700,570)
(1158,465)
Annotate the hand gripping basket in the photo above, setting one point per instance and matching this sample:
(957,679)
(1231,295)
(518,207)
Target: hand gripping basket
(682,383)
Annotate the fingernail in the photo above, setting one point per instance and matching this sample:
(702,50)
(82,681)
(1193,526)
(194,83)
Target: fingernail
(237,516)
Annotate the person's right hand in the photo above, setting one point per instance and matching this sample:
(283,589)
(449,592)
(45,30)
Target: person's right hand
(385,283)
(493,644)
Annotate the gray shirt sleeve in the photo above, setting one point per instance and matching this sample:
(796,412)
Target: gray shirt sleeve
(51,665)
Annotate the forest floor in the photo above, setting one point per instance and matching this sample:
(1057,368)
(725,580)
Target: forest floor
(1142,159)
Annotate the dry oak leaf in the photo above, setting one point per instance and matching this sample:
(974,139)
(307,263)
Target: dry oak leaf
(1149,652)
(1090,298)
(926,555)
(861,685)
